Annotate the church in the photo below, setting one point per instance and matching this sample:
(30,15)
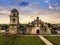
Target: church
(14,22)
(35,27)
(38,27)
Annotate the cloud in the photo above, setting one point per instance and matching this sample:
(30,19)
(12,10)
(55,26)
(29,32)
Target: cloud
(4,12)
(57,6)
(46,1)
(54,6)
(24,3)
(51,7)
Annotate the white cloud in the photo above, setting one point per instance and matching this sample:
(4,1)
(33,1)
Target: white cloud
(46,1)
(54,6)
(51,7)
(6,12)
(57,6)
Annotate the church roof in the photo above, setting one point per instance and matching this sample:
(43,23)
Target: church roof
(14,10)
(37,17)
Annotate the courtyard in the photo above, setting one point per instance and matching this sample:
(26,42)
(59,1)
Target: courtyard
(29,39)
(53,39)
(21,40)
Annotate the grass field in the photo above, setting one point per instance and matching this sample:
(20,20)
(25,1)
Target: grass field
(22,40)
(54,39)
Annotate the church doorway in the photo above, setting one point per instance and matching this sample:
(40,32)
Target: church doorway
(37,31)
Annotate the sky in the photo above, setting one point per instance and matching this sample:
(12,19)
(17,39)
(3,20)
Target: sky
(46,10)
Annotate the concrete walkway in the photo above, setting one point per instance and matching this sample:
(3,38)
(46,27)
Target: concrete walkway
(45,40)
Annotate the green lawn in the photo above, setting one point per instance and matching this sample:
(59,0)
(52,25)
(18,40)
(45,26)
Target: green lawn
(22,40)
(54,39)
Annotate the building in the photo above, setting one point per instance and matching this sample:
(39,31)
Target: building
(35,27)
(2,31)
(38,27)
(14,22)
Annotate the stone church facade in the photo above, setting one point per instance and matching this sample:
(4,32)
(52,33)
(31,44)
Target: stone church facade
(35,27)
(38,27)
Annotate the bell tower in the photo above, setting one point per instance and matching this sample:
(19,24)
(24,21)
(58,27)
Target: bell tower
(14,22)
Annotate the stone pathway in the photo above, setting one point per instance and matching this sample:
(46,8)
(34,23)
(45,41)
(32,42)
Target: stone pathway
(45,40)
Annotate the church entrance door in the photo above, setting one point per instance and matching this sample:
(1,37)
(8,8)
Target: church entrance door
(37,31)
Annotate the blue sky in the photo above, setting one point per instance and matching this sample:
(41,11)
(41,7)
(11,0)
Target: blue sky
(47,10)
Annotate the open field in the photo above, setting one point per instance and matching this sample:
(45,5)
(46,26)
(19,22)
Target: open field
(54,39)
(21,40)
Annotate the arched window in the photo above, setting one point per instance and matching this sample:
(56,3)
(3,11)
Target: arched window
(13,14)
(13,20)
